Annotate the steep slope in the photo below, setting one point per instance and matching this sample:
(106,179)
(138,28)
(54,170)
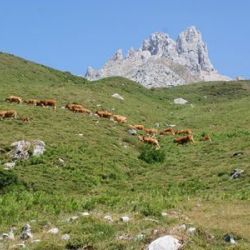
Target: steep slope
(102,173)
(163,62)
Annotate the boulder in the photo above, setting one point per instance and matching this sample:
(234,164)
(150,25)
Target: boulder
(180,101)
(54,230)
(117,96)
(26,232)
(167,242)
(132,131)
(22,150)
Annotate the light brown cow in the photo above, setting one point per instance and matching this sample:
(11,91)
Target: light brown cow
(2,114)
(137,127)
(104,114)
(31,102)
(120,118)
(149,140)
(151,131)
(13,98)
(184,132)
(167,131)
(73,107)
(184,139)
(8,114)
(47,103)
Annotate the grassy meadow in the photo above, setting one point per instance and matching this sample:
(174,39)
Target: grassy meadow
(102,172)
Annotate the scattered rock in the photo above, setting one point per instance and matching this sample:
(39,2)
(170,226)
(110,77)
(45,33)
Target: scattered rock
(132,131)
(21,150)
(164,214)
(80,134)
(237,154)
(85,214)
(167,242)
(36,241)
(108,218)
(180,101)
(38,147)
(139,237)
(182,227)
(26,232)
(157,124)
(54,230)
(10,235)
(229,238)
(65,237)
(9,165)
(20,245)
(236,173)
(124,219)
(61,161)
(124,237)
(72,218)
(117,96)
(191,230)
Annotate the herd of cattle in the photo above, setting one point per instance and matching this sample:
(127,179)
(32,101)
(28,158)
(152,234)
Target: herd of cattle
(150,133)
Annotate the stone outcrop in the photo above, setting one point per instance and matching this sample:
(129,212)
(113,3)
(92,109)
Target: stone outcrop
(162,61)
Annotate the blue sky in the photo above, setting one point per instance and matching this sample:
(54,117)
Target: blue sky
(72,34)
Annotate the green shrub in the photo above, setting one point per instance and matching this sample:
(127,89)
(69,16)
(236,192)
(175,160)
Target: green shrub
(151,155)
(7,178)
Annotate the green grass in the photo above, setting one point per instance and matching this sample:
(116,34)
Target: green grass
(103,173)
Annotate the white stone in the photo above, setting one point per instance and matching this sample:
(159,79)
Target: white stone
(85,214)
(65,237)
(54,230)
(125,219)
(117,96)
(38,147)
(9,165)
(36,241)
(167,242)
(180,101)
(108,218)
(191,230)
(163,62)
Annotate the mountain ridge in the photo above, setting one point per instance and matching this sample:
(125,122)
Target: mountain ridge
(163,62)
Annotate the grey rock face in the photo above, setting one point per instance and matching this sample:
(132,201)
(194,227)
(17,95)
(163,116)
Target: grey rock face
(162,62)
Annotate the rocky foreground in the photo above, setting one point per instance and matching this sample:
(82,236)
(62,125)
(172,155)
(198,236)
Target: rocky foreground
(162,62)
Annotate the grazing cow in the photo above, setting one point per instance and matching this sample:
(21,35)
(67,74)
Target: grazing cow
(47,103)
(151,131)
(13,98)
(104,114)
(2,114)
(31,102)
(167,131)
(149,140)
(137,127)
(74,107)
(120,118)
(184,132)
(184,139)
(8,114)
(206,138)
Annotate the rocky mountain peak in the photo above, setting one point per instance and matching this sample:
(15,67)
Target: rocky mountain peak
(162,61)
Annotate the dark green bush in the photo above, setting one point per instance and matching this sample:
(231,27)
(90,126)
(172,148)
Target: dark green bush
(151,155)
(7,178)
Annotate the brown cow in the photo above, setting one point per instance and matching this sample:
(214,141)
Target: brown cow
(47,103)
(184,139)
(24,119)
(31,102)
(2,114)
(137,127)
(149,140)
(8,114)
(184,131)
(167,131)
(104,114)
(13,98)
(120,118)
(151,131)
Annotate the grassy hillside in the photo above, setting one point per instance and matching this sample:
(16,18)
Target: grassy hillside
(102,173)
